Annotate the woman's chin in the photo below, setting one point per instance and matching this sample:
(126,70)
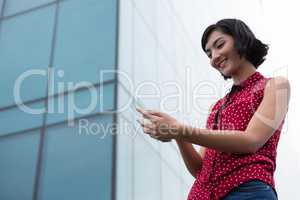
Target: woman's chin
(226,74)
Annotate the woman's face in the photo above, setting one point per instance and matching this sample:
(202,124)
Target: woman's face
(222,53)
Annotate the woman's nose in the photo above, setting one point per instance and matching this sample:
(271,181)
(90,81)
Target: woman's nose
(215,57)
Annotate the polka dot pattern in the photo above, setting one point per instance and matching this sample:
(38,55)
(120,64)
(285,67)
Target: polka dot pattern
(221,171)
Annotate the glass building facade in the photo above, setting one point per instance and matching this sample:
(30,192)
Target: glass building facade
(52,54)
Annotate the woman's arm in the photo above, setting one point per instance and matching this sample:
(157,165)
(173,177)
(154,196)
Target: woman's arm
(261,127)
(192,159)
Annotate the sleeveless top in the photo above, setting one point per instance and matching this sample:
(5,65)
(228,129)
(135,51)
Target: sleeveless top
(221,171)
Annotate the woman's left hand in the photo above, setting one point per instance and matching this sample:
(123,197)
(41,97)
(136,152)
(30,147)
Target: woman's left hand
(163,127)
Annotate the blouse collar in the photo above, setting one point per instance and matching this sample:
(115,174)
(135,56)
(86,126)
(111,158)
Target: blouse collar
(250,80)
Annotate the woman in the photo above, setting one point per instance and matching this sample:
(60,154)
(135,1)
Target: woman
(239,143)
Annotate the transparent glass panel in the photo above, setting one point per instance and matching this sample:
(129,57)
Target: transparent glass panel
(14,6)
(18,155)
(16,119)
(25,43)
(86,40)
(81,103)
(78,161)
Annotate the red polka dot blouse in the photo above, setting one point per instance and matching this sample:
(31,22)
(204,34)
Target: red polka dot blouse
(221,172)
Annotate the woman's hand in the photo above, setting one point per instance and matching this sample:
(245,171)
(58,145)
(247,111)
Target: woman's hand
(162,126)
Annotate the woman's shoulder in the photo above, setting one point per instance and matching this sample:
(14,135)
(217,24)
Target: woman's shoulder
(268,83)
(278,83)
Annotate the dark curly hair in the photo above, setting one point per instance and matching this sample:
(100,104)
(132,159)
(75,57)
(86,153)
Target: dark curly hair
(245,42)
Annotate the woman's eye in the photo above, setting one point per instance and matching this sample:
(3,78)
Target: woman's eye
(220,45)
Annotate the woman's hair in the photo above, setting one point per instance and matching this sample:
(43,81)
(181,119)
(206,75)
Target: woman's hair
(245,42)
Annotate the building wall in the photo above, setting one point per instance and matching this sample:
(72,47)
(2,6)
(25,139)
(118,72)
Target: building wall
(163,67)
(62,46)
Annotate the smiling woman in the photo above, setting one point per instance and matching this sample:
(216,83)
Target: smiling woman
(233,42)
(243,128)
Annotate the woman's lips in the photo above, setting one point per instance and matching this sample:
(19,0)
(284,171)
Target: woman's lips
(222,64)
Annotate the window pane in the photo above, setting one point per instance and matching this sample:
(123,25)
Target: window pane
(78,161)
(25,43)
(16,119)
(86,39)
(13,6)
(61,108)
(18,155)
(1,2)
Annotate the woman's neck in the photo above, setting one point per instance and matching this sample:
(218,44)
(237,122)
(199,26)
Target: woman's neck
(245,71)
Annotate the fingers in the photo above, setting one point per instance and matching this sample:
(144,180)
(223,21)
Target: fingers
(161,128)
(153,129)
(149,113)
(147,128)
(143,112)
(149,131)
(156,113)
(146,125)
